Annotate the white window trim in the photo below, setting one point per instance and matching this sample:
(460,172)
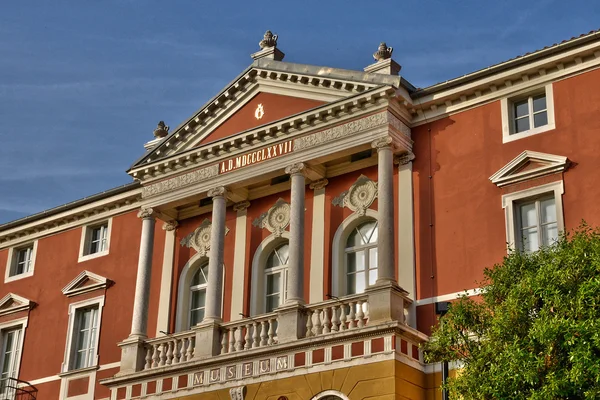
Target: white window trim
(12,259)
(508,120)
(509,203)
(282,271)
(338,250)
(73,307)
(259,261)
(182,318)
(85,240)
(22,322)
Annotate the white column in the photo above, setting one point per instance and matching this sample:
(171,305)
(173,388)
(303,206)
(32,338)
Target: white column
(239,260)
(166,279)
(317,245)
(385,201)
(296,259)
(139,321)
(214,291)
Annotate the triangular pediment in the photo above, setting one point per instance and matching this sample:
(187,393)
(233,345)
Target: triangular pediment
(12,303)
(283,89)
(528,165)
(85,282)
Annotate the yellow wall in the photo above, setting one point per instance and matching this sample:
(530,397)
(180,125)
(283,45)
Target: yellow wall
(387,380)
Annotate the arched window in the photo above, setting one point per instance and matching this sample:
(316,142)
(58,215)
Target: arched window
(361,257)
(198,295)
(330,395)
(276,277)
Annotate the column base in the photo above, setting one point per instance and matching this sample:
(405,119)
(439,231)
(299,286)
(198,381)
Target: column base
(291,323)
(208,339)
(387,301)
(133,355)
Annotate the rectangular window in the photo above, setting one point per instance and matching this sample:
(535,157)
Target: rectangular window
(9,359)
(98,239)
(84,338)
(527,113)
(538,224)
(23,261)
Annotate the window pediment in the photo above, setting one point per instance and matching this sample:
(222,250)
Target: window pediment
(528,165)
(199,239)
(85,282)
(276,219)
(359,197)
(12,303)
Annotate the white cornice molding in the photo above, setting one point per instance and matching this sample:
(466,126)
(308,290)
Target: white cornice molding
(72,218)
(442,103)
(315,119)
(15,304)
(509,174)
(228,101)
(74,287)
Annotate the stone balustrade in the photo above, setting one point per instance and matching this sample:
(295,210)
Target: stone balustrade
(249,334)
(337,315)
(170,350)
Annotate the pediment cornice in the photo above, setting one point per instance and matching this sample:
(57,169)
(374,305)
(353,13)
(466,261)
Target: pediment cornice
(529,165)
(85,282)
(288,128)
(12,303)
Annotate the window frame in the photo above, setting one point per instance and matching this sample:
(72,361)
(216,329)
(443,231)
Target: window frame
(21,324)
(11,261)
(202,286)
(363,248)
(86,240)
(282,271)
(69,355)
(511,204)
(509,133)
(536,201)
(338,250)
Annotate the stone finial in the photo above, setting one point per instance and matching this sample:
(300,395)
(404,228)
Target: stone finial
(269,40)
(161,130)
(268,48)
(383,52)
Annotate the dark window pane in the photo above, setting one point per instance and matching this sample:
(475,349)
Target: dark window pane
(521,109)
(521,125)
(540,119)
(539,103)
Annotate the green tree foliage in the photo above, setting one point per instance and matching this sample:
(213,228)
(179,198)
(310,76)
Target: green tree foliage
(535,331)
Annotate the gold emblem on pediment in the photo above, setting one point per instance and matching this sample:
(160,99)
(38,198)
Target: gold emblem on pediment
(259,112)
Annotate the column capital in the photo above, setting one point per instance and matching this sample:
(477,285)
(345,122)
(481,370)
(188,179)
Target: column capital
(295,169)
(146,213)
(404,158)
(320,184)
(170,225)
(241,206)
(219,191)
(381,143)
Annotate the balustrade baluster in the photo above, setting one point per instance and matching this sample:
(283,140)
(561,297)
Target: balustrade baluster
(255,335)
(239,336)
(309,324)
(335,322)
(264,333)
(190,350)
(343,318)
(155,355)
(360,314)
(352,316)
(319,324)
(248,337)
(169,359)
(148,364)
(326,321)
(232,339)
(271,331)
(163,355)
(177,351)
(224,342)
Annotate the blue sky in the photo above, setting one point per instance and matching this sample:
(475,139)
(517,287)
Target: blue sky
(83,83)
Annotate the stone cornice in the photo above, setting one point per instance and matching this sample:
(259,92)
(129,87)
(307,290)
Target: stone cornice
(440,103)
(72,218)
(382,119)
(315,118)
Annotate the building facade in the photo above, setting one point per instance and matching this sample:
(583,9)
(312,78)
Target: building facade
(297,236)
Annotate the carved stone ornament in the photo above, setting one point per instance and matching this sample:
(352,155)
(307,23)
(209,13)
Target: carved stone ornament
(269,40)
(404,158)
(320,184)
(170,226)
(382,143)
(241,206)
(276,220)
(295,169)
(383,52)
(359,197)
(146,213)
(218,191)
(161,130)
(238,393)
(199,240)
